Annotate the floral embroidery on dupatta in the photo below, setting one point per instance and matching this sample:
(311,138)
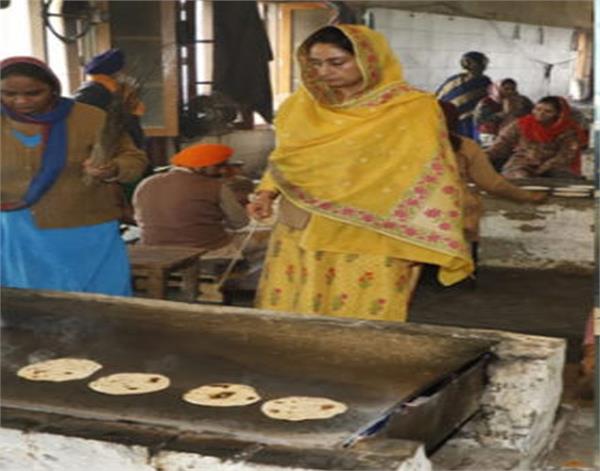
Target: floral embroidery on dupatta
(443,227)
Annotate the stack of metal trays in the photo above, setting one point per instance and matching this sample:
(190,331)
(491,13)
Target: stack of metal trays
(540,188)
(573,191)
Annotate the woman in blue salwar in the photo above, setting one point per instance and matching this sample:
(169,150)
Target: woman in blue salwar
(59,218)
(466,89)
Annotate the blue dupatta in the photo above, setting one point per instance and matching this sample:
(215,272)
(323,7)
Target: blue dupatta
(54,155)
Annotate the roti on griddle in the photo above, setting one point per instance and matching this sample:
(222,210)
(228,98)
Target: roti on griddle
(222,395)
(59,369)
(130,383)
(296,408)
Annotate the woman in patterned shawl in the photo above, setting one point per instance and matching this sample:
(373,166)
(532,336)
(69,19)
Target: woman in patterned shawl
(367,183)
(466,89)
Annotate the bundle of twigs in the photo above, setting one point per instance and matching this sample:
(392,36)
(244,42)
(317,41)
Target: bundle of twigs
(124,101)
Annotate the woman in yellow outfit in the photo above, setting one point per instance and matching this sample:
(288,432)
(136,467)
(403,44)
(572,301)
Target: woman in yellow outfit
(367,181)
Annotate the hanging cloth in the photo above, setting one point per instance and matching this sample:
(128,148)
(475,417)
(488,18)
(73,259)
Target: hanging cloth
(241,56)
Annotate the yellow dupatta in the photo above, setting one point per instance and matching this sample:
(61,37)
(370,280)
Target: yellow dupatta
(376,172)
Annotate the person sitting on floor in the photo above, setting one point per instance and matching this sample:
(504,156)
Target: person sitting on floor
(191,204)
(501,107)
(545,143)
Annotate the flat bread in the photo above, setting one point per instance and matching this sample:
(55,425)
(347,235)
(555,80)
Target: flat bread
(59,369)
(571,194)
(581,187)
(535,188)
(130,383)
(296,408)
(222,395)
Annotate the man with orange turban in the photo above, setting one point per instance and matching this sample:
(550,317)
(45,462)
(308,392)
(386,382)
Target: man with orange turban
(191,204)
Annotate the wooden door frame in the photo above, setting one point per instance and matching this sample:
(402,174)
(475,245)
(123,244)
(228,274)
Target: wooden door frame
(284,41)
(170,72)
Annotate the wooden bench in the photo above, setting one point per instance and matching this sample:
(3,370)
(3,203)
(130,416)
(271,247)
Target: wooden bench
(157,263)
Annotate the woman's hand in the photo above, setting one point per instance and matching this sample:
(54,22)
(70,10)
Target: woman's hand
(538,197)
(101,172)
(261,206)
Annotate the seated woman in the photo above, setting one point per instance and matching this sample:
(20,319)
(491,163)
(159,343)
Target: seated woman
(544,143)
(501,107)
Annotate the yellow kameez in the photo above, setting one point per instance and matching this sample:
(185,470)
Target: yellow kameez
(344,285)
(379,179)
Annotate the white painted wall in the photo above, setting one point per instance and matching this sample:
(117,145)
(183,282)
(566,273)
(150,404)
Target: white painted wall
(429,47)
(22,34)
(15,36)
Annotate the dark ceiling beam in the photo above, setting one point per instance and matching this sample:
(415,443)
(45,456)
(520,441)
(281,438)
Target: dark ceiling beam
(559,13)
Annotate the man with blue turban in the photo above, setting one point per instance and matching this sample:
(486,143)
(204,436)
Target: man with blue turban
(465,89)
(107,86)
(111,90)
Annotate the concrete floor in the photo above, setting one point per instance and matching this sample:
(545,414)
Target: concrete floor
(540,302)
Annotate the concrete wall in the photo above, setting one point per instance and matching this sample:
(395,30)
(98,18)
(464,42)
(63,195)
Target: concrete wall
(429,47)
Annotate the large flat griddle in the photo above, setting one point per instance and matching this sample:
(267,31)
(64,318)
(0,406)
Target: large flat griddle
(375,368)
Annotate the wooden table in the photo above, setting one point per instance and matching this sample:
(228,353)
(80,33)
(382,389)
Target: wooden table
(158,262)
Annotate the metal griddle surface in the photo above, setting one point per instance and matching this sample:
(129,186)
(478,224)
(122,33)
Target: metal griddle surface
(372,367)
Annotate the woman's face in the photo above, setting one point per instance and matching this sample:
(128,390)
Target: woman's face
(26,95)
(472,66)
(336,67)
(508,90)
(545,113)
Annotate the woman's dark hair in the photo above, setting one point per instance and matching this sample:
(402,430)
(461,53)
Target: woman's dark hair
(329,35)
(451,115)
(508,81)
(32,71)
(554,101)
